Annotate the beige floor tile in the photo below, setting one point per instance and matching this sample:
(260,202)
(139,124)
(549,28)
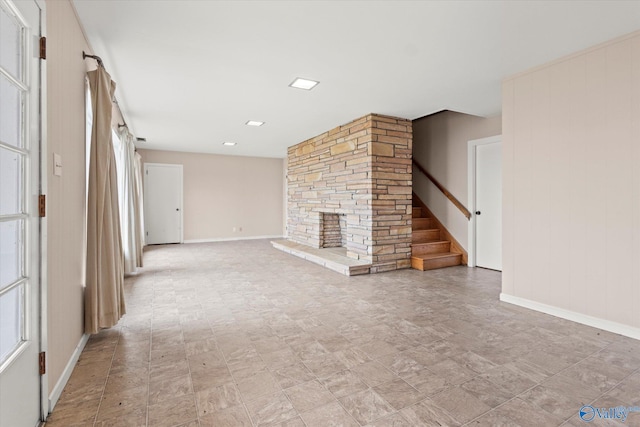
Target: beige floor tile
(211,377)
(173,412)
(167,389)
(461,405)
(309,395)
(323,366)
(473,362)
(352,356)
(280,358)
(123,402)
(526,414)
(401,364)
(393,420)
(205,361)
(138,419)
(196,347)
(291,375)
(366,406)
(560,395)
(343,383)
(124,379)
(168,370)
(509,379)
(232,417)
(271,409)
(594,374)
(486,391)
(82,412)
(373,373)
(260,384)
(216,399)
(628,390)
(329,415)
(204,337)
(294,422)
(399,393)
(454,372)
(81,388)
(427,413)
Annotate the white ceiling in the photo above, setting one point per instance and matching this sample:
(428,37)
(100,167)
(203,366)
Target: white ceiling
(190,73)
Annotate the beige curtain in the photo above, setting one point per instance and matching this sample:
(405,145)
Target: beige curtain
(139,207)
(128,199)
(104,293)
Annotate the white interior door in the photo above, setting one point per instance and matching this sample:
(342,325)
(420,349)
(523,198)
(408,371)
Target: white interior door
(162,203)
(488,205)
(19,221)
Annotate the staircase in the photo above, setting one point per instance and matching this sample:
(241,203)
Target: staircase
(429,250)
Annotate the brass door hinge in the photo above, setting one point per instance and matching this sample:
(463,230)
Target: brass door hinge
(42,363)
(42,206)
(43,48)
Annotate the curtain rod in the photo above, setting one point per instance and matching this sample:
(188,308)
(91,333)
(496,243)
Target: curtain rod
(97,58)
(115,101)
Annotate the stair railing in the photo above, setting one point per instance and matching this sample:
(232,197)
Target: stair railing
(444,191)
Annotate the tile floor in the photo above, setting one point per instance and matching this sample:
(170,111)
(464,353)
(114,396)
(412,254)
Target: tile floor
(242,334)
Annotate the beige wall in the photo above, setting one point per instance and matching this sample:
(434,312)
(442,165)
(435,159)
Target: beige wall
(440,146)
(222,192)
(66,72)
(571,188)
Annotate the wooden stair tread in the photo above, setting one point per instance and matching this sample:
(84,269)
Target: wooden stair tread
(435,256)
(417,212)
(419,236)
(426,242)
(434,261)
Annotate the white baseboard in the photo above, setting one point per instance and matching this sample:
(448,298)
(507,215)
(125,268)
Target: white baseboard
(606,325)
(66,373)
(231,239)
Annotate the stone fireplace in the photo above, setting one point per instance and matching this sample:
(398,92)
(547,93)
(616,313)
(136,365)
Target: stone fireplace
(351,187)
(333,230)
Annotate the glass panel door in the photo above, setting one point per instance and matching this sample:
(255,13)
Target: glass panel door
(20,390)
(13,215)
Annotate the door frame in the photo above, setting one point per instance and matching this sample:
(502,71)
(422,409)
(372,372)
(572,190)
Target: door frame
(144,190)
(44,330)
(37,250)
(471,191)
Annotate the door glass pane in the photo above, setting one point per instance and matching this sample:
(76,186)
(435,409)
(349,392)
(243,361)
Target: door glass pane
(11,320)
(10,113)
(11,244)
(11,39)
(11,179)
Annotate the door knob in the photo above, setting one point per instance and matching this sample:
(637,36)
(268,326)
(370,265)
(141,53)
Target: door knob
(478,212)
(177,209)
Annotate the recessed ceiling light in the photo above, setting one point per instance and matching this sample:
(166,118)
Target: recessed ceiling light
(305,84)
(254,123)
(229,144)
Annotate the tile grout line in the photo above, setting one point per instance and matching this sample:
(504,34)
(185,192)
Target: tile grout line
(95,419)
(186,356)
(151,327)
(235,383)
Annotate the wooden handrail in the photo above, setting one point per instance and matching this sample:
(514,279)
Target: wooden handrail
(444,191)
